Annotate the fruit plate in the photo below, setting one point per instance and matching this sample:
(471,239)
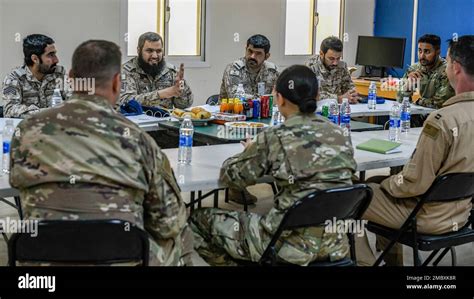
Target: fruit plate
(196,122)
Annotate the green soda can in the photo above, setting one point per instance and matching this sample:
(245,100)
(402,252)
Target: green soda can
(270,104)
(325,110)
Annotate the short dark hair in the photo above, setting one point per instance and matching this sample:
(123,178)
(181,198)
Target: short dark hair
(260,42)
(462,51)
(97,59)
(148,36)
(332,43)
(299,85)
(431,39)
(35,44)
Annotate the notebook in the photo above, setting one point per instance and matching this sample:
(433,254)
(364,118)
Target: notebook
(380,146)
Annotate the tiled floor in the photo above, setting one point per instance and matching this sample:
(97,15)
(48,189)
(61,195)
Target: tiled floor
(465,253)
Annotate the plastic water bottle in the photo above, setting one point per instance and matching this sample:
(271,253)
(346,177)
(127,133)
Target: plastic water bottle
(334,112)
(240,93)
(56,99)
(372,97)
(394,131)
(405,115)
(345,115)
(7,138)
(186,141)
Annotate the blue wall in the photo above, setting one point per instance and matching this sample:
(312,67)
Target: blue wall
(394,18)
(444,18)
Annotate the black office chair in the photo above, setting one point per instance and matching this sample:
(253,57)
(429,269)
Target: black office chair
(213,100)
(446,188)
(76,242)
(314,210)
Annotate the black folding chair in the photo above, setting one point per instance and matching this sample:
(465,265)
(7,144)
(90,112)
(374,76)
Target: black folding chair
(446,188)
(213,100)
(315,209)
(76,242)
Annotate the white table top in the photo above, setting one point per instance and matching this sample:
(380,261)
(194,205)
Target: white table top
(359,110)
(203,173)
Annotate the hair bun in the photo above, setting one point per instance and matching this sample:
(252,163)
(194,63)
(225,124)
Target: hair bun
(308,105)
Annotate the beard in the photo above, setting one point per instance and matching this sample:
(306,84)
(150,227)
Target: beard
(45,69)
(425,62)
(151,69)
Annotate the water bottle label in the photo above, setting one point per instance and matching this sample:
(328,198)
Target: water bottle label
(394,123)
(405,116)
(345,119)
(185,141)
(6,147)
(334,119)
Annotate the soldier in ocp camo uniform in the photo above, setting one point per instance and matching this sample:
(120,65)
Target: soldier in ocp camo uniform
(83,160)
(434,85)
(250,70)
(151,81)
(304,154)
(333,76)
(29,88)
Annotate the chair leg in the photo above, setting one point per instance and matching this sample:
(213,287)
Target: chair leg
(428,260)
(226,197)
(274,188)
(352,249)
(200,199)
(216,198)
(245,201)
(191,207)
(18,204)
(4,235)
(440,257)
(453,256)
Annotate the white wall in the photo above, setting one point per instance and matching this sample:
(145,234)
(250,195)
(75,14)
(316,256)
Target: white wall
(359,21)
(70,22)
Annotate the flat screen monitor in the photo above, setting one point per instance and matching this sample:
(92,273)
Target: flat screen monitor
(380,51)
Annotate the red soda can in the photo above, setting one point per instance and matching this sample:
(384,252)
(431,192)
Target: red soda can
(265,106)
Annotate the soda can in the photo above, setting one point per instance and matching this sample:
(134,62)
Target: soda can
(250,111)
(265,100)
(270,106)
(325,110)
(256,108)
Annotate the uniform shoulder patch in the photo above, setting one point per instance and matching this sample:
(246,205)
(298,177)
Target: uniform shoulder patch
(234,72)
(128,66)
(438,116)
(431,131)
(239,64)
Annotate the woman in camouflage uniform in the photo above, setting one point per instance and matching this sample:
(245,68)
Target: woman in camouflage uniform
(304,154)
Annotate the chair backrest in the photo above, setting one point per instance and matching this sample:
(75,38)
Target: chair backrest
(81,242)
(213,100)
(316,208)
(451,187)
(341,203)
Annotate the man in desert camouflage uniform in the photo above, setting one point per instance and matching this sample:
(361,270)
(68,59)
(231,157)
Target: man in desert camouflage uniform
(250,70)
(305,154)
(333,76)
(445,146)
(29,88)
(83,160)
(430,70)
(151,81)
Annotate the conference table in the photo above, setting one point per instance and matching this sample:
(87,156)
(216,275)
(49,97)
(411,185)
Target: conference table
(203,172)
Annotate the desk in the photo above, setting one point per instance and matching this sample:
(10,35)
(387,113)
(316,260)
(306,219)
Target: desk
(362,87)
(215,134)
(203,173)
